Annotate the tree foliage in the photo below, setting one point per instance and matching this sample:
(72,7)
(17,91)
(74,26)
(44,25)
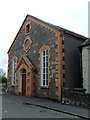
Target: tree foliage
(3,78)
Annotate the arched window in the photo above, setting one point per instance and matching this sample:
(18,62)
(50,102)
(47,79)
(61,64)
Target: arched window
(27,27)
(14,62)
(44,68)
(13,76)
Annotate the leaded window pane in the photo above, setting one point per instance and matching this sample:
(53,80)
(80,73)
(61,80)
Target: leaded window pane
(43,59)
(43,76)
(43,82)
(46,64)
(46,58)
(46,82)
(46,76)
(46,70)
(46,52)
(43,70)
(43,64)
(43,53)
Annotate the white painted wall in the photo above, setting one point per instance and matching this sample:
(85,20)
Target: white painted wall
(86,67)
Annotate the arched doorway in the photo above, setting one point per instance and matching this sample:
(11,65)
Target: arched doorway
(22,82)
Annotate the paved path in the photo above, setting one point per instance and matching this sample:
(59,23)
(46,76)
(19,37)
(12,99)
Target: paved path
(50,104)
(53,105)
(46,103)
(13,107)
(72,110)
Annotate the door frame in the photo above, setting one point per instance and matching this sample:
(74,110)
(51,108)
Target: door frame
(20,81)
(25,84)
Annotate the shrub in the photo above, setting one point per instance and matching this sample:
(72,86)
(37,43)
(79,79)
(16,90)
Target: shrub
(79,89)
(4,80)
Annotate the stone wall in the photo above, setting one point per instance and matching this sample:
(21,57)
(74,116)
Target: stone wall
(39,36)
(75,98)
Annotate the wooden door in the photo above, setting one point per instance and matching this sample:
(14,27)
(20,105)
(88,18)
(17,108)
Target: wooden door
(23,84)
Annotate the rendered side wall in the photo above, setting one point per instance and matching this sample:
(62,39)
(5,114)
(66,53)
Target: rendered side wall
(72,61)
(89,69)
(86,67)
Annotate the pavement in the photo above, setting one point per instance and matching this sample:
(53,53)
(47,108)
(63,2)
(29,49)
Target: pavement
(54,105)
(13,107)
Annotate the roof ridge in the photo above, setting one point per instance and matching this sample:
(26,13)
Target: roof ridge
(59,28)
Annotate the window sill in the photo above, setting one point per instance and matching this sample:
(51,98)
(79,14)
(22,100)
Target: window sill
(27,33)
(44,87)
(13,85)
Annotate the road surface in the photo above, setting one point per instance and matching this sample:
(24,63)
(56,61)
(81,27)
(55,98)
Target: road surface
(14,108)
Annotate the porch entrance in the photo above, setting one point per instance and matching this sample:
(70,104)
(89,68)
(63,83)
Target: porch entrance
(24,82)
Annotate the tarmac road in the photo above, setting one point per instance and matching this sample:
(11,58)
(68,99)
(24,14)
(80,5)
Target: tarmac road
(14,108)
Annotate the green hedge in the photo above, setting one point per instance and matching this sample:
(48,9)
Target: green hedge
(79,89)
(4,80)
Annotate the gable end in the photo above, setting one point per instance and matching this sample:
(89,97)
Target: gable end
(36,21)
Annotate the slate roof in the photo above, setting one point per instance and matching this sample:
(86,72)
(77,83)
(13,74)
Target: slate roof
(29,60)
(86,43)
(61,29)
(54,26)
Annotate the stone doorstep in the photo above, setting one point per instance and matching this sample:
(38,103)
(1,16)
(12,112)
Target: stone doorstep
(57,109)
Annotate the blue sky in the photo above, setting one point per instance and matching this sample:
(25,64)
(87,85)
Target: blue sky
(69,14)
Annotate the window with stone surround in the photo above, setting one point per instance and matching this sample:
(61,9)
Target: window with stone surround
(14,63)
(27,44)
(44,68)
(13,75)
(27,27)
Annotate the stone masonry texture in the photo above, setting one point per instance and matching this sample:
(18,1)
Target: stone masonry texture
(39,36)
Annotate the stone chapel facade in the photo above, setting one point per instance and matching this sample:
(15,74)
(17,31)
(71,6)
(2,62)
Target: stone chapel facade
(43,59)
